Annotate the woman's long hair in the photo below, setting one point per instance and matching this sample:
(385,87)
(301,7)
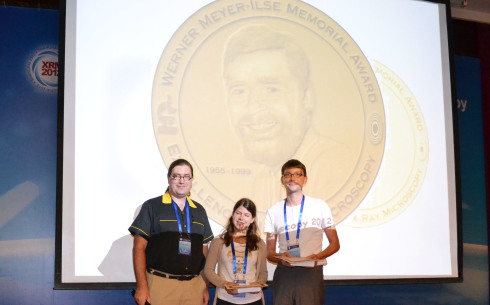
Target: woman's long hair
(253,237)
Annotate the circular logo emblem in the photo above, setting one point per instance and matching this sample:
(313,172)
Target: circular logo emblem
(43,69)
(242,87)
(406,155)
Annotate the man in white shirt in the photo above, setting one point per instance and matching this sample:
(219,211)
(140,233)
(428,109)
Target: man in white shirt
(298,224)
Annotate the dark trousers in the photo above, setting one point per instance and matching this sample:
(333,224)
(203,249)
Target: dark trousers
(298,286)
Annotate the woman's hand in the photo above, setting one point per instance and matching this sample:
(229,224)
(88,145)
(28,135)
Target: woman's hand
(231,288)
(255,283)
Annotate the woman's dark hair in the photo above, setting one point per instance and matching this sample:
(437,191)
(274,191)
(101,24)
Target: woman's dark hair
(253,237)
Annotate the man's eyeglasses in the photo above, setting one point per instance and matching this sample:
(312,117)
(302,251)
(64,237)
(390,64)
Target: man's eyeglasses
(295,175)
(178,177)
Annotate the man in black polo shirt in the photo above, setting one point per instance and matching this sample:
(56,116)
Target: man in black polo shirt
(171,235)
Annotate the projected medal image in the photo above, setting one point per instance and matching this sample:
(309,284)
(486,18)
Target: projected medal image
(242,95)
(402,174)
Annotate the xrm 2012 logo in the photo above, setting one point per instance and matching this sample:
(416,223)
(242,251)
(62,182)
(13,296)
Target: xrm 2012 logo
(43,69)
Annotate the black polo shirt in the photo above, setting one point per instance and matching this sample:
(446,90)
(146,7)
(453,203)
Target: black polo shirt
(157,223)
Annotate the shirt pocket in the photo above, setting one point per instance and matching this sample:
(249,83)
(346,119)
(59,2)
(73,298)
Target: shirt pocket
(168,225)
(197,227)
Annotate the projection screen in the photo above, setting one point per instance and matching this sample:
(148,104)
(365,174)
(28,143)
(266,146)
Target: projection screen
(148,82)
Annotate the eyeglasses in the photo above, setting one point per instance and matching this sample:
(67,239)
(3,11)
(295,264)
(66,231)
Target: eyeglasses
(295,175)
(178,177)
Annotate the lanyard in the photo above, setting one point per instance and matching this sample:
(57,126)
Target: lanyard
(299,220)
(178,217)
(234,258)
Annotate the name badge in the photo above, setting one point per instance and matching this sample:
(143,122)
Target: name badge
(184,246)
(239,282)
(294,250)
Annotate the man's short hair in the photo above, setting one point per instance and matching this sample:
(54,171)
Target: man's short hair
(260,37)
(293,163)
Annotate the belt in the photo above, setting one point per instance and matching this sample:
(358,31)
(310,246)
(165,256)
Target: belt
(171,276)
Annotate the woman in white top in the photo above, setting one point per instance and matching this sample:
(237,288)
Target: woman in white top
(241,257)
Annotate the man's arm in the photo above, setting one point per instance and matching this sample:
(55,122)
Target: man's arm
(271,250)
(205,296)
(205,248)
(142,294)
(334,244)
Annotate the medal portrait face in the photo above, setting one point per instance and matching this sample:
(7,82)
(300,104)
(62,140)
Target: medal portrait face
(241,95)
(268,105)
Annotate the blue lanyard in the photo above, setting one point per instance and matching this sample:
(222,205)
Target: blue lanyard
(234,258)
(299,220)
(178,218)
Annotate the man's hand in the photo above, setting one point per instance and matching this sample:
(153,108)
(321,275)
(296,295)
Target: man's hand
(142,295)
(283,262)
(313,257)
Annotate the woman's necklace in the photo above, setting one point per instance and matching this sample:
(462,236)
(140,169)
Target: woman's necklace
(239,238)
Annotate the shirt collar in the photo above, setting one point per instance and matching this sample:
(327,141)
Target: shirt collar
(166,199)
